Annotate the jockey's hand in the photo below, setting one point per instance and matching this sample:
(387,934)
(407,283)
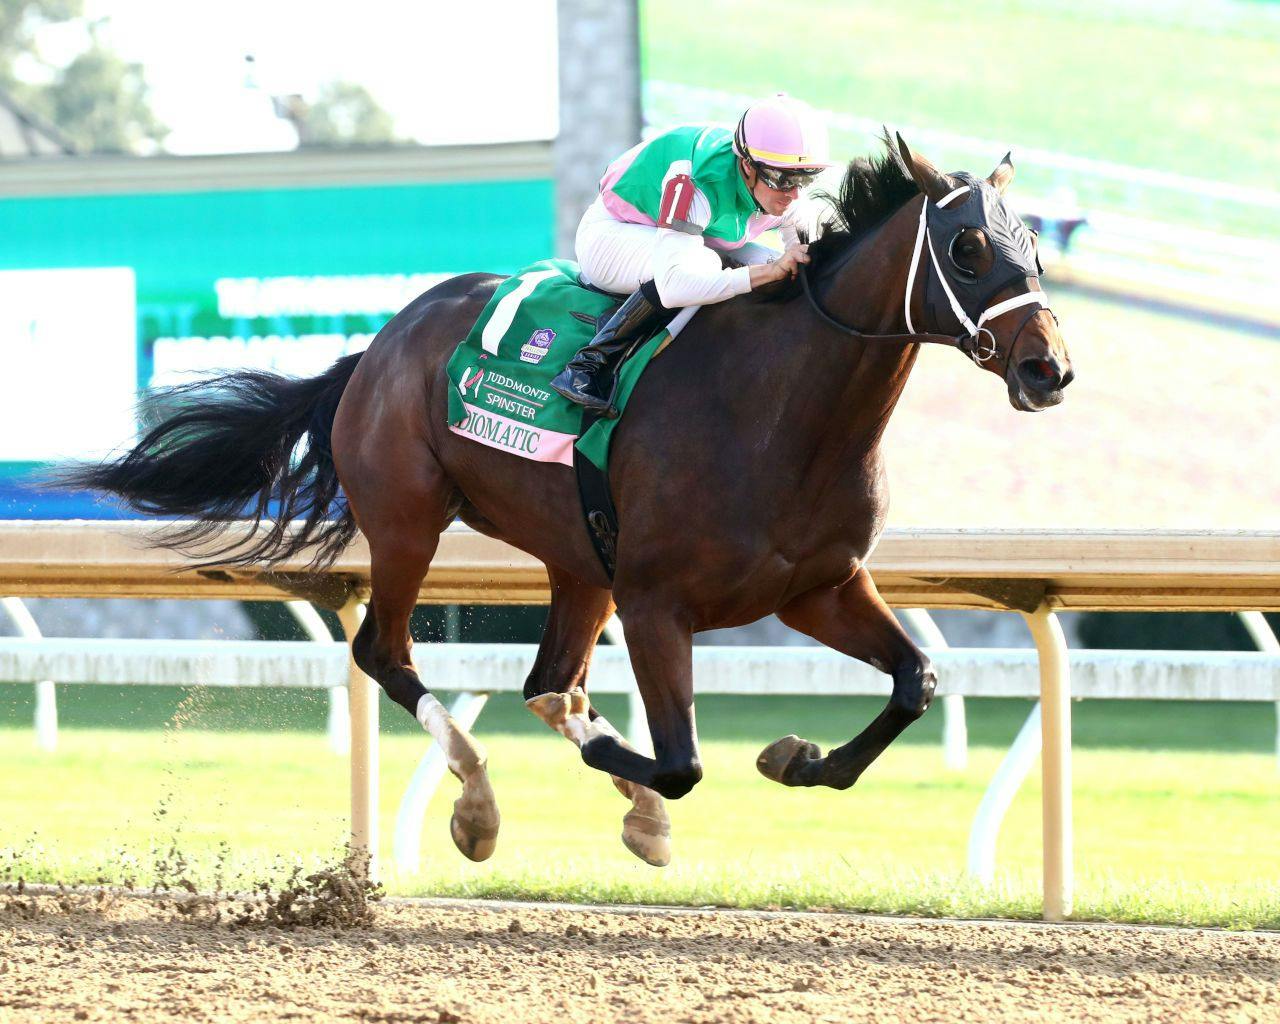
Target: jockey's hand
(783,268)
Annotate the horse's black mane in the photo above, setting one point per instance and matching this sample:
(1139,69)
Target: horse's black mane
(873,188)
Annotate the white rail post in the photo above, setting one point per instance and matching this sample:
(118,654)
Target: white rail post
(46,719)
(339,724)
(637,722)
(406,842)
(1004,786)
(1055,761)
(955,729)
(1264,638)
(363,697)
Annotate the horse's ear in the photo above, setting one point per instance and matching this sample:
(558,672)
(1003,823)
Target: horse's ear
(933,183)
(1003,174)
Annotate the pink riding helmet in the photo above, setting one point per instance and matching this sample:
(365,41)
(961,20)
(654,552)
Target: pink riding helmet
(782,132)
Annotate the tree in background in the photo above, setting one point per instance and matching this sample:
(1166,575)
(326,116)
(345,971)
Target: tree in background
(343,114)
(20,20)
(98,100)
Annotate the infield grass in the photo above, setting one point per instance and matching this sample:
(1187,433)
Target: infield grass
(1192,88)
(1175,808)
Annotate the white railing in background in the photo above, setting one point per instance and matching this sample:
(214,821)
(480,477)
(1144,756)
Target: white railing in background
(955,731)
(1036,572)
(1264,638)
(773,671)
(1006,782)
(1022,754)
(46,694)
(637,730)
(338,725)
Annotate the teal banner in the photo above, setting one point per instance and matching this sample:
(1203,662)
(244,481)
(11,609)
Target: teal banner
(103,296)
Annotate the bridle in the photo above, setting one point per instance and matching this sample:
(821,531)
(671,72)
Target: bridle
(970,341)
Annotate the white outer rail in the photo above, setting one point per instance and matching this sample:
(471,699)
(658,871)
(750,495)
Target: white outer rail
(1014,768)
(1027,745)
(795,671)
(362,699)
(339,722)
(46,695)
(46,716)
(637,729)
(1169,570)
(955,729)
(1264,638)
(759,671)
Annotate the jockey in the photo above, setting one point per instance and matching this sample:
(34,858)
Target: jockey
(668,210)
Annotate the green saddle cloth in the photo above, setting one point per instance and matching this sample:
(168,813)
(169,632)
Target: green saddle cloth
(534,324)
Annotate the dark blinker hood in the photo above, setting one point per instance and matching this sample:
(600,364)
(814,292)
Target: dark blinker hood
(1011,243)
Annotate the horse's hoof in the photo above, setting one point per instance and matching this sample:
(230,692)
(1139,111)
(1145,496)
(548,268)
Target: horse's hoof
(475,821)
(646,829)
(649,838)
(474,840)
(791,761)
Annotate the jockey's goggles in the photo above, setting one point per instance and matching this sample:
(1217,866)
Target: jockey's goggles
(784,179)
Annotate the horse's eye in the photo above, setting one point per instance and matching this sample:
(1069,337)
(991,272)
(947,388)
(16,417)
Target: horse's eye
(967,249)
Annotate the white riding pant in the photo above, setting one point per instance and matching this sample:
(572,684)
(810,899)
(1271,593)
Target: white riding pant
(620,257)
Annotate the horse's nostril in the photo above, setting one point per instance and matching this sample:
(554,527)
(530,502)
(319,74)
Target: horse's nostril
(1068,377)
(1040,373)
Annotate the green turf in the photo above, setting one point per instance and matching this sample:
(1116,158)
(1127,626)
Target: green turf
(1192,88)
(1173,725)
(1170,824)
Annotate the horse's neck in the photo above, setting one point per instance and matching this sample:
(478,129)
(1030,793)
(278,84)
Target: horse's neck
(867,291)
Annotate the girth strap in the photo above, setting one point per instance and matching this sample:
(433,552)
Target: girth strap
(597,503)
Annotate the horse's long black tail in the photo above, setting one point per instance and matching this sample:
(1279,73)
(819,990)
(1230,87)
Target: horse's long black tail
(235,446)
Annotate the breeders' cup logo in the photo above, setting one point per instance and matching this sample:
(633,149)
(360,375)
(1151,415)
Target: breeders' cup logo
(471,381)
(537,346)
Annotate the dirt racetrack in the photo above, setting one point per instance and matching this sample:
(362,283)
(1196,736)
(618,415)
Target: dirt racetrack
(135,959)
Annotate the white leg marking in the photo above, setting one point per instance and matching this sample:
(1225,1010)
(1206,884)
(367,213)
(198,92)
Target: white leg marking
(463,754)
(474,825)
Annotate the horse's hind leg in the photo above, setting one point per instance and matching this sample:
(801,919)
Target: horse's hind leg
(402,520)
(854,620)
(556,692)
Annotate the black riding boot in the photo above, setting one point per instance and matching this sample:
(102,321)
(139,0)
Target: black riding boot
(590,378)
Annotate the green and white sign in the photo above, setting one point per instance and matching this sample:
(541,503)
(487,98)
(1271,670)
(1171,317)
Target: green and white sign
(103,296)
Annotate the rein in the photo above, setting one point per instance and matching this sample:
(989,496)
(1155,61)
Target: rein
(960,341)
(970,344)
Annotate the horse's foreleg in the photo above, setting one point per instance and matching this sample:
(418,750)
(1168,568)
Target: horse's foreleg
(661,651)
(403,525)
(854,620)
(556,692)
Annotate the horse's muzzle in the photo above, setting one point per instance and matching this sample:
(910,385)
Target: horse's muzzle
(1036,384)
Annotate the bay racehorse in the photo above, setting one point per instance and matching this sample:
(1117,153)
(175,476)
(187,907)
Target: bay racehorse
(747,474)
